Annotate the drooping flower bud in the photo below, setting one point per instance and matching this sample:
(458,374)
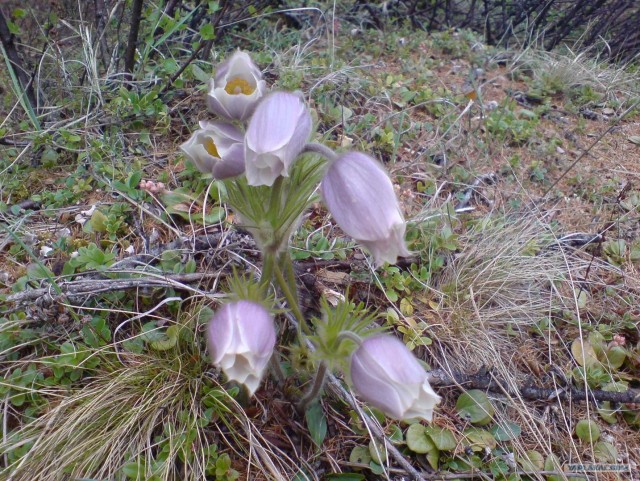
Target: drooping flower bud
(277,133)
(386,375)
(236,88)
(241,337)
(216,148)
(360,196)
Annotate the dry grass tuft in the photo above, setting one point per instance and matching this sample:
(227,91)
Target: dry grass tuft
(163,415)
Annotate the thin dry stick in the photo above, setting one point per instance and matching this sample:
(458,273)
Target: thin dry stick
(78,289)
(484,380)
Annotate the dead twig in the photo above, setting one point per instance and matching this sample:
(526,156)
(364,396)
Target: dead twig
(486,381)
(73,291)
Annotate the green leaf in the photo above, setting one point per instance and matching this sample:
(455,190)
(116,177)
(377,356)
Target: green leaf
(531,461)
(396,436)
(552,463)
(442,438)
(417,440)
(134,179)
(587,431)
(133,470)
(199,74)
(615,357)
(360,455)
(376,468)
(207,32)
(316,423)
(378,452)
(97,223)
(506,431)
(607,413)
(583,353)
(479,439)
(605,452)
(474,405)
(169,339)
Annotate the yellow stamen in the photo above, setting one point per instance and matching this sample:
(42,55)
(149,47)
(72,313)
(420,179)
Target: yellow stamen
(210,147)
(237,86)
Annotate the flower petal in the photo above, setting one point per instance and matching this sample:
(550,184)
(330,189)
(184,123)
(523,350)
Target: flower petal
(277,133)
(386,374)
(241,338)
(361,198)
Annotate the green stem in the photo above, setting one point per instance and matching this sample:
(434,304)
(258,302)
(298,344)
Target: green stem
(275,202)
(352,336)
(292,300)
(316,387)
(277,368)
(268,261)
(290,275)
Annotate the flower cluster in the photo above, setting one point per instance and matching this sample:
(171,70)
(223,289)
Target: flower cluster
(258,142)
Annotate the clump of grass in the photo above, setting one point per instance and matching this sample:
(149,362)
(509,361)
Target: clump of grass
(503,280)
(500,301)
(160,416)
(569,71)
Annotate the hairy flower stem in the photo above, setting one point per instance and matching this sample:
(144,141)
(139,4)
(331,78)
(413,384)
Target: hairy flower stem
(292,299)
(320,149)
(277,368)
(316,387)
(352,336)
(268,261)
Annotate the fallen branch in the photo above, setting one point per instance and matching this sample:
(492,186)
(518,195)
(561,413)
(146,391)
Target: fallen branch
(486,381)
(74,291)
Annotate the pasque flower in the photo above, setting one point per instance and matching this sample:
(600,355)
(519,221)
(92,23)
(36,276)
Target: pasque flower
(236,88)
(386,375)
(360,197)
(216,148)
(277,133)
(241,337)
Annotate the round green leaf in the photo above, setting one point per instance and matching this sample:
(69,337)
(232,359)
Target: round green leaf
(475,406)
(584,353)
(552,463)
(531,461)
(506,431)
(615,356)
(378,452)
(587,431)
(478,439)
(360,455)
(442,438)
(605,452)
(417,439)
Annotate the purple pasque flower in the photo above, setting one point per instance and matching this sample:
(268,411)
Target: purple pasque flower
(386,375)
(360,196)
(276,135)
(241,338)
(236,88)
(216,148)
